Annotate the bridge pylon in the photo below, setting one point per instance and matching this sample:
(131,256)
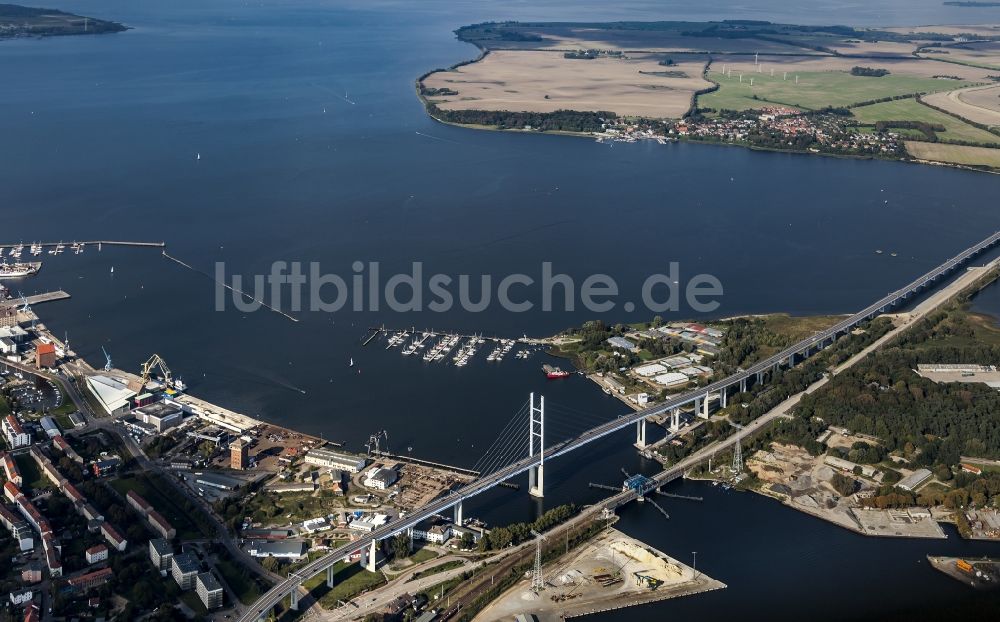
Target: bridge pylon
(536,430)
(640,434)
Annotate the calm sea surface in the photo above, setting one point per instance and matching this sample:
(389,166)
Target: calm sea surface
(314,148)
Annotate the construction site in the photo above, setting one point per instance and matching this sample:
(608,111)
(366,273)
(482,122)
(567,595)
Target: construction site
(611,571)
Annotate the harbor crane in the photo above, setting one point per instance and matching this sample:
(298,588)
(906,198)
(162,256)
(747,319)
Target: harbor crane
(27,309)
(378,443)
(107,359)
(156,361)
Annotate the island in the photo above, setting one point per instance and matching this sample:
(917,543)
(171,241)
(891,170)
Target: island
(23,21)
(923,94)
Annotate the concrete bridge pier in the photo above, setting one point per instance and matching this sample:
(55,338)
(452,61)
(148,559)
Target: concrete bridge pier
(293,599)
(722,397)
(409,534)
(458,514)
(371,566)
(536,484)
(329,577)
(640,434)
(760,377)
(743,385)
(675,420)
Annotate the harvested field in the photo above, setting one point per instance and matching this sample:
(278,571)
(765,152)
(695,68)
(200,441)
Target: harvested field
(984,54)
(954,154)
(979,104)
(534,81)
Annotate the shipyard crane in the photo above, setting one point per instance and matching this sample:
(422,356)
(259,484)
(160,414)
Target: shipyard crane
(107,357)
(156,361)
(27,309)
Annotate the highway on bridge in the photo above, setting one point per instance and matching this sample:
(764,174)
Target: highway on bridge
(276,594)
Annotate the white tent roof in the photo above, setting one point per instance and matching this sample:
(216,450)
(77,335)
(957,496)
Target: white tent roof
(112,393)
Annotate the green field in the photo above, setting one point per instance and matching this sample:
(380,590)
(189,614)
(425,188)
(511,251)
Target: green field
(167,502)
(349,581)
(243,585)
(33,477)
(816,89)
(912,110)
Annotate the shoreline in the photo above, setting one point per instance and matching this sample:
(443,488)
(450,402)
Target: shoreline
(710,57)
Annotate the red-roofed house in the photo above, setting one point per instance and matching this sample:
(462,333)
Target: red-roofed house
(11,471)
(161,525)
(141,505)
(114,538)
(97,553)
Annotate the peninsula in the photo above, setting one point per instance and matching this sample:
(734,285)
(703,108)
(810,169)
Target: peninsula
(23,21)
(923,94)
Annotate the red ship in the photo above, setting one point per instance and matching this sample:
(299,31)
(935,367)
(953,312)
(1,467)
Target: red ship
(554,372)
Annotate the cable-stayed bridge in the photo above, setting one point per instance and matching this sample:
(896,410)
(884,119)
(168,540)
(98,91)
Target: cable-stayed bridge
(521,448)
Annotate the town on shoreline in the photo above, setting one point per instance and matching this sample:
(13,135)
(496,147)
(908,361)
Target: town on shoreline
(927,94)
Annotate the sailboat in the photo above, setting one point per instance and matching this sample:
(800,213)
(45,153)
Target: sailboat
(351,364)
(198,157)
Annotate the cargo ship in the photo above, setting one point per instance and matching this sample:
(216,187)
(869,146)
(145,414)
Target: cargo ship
(554,372)
(17,270)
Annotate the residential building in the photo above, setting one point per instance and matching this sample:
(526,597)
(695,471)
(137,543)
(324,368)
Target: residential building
(336,460)
(32,573)
(106,467)
(184,567)
(160,525)
(136,501)
(114,538)
(21,597)
(11,471)
(90,580)
(161,553)
(14,433)
(209,590)
(60,443)
(97,554)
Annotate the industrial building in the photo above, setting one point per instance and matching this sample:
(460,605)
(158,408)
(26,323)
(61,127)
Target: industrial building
(380,478)
(112,394)
(336,460)
(239,452)
(912,481)
(209,590)
(160,415)
(280,549)
(45,356)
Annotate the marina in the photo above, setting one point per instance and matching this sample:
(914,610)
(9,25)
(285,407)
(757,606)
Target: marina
(460,348)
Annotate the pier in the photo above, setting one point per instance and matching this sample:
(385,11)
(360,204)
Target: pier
(97,243)
(428,463)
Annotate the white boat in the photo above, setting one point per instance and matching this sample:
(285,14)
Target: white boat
(17,270)
(351,364)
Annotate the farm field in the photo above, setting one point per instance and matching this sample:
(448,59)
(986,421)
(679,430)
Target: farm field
(912,110)
(980,104)
(536,81)
(954,154)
